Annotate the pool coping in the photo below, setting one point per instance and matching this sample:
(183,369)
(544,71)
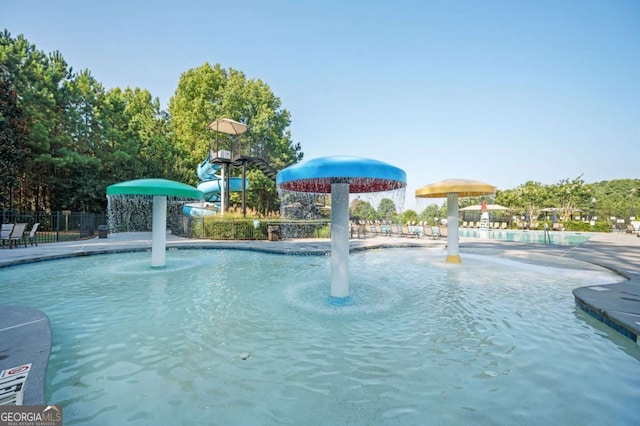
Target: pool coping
(27,332)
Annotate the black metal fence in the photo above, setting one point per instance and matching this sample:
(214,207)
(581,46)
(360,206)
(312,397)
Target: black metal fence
(68,226)
(58,226)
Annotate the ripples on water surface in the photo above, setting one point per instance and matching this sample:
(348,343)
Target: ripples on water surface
(489,341)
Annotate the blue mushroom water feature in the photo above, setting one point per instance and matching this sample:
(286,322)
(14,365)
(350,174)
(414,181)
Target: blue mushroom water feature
(159,189)
(340,176)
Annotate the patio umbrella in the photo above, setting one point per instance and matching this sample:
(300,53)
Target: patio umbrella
(452,189)
(228,126)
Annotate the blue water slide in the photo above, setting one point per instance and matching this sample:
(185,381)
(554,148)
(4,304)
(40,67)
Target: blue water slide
(211,186)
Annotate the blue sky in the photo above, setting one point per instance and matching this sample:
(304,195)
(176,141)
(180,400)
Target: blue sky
(499,91)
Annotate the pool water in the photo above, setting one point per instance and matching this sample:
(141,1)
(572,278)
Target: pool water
(239,337)
(536,237)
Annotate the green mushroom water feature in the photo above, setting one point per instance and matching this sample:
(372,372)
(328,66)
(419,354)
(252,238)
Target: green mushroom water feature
(340,176)
(159,189)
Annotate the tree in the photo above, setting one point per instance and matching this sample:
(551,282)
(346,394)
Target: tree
(409,216)
(38,81)
(532,195)
(568,195)
(207,93)
(139,138)
(387,210)
(509,198)
(13,135)
(263,194)
(362,210)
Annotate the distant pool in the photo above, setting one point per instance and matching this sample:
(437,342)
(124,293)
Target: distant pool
(536,237)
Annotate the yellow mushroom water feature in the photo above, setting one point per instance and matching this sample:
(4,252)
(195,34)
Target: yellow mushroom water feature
(451,189)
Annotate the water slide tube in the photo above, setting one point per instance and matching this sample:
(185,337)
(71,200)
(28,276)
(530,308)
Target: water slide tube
(211,185)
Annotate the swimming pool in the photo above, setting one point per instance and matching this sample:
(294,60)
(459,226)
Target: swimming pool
(536,237)
(239,337)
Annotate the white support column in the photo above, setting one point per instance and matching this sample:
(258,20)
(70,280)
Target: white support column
(340,240)
(453,255)
(159,231)
(223,190)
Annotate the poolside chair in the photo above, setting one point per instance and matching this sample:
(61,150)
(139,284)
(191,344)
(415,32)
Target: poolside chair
(5,235)
(443,231)
(406,232)
(427,231)
(396,230)
(32,235)
(362,230)
(17,234)
(353,229)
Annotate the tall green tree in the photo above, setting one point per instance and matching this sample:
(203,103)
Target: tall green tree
(210,92)
(13,135)
(38,80)
(78,161)
(139,138)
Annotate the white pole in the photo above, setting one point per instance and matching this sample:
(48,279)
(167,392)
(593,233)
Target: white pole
(159,231)
(222,191)
(453,255)
(339,239)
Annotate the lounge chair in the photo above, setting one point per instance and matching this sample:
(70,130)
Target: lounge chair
(32,235)
(353,229)
(362,230)
(443,231)
(504,225)
(406,232)
(17,234)
(427,231)
(5,235)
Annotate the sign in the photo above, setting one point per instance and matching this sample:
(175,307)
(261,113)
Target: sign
(224,154)
(12,382)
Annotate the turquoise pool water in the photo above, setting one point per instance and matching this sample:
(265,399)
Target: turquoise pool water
(238,337)
(536,237)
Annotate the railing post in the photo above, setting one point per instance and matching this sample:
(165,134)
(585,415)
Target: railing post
(57,225)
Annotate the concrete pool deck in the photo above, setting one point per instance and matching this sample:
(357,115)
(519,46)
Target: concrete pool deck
(25,333)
